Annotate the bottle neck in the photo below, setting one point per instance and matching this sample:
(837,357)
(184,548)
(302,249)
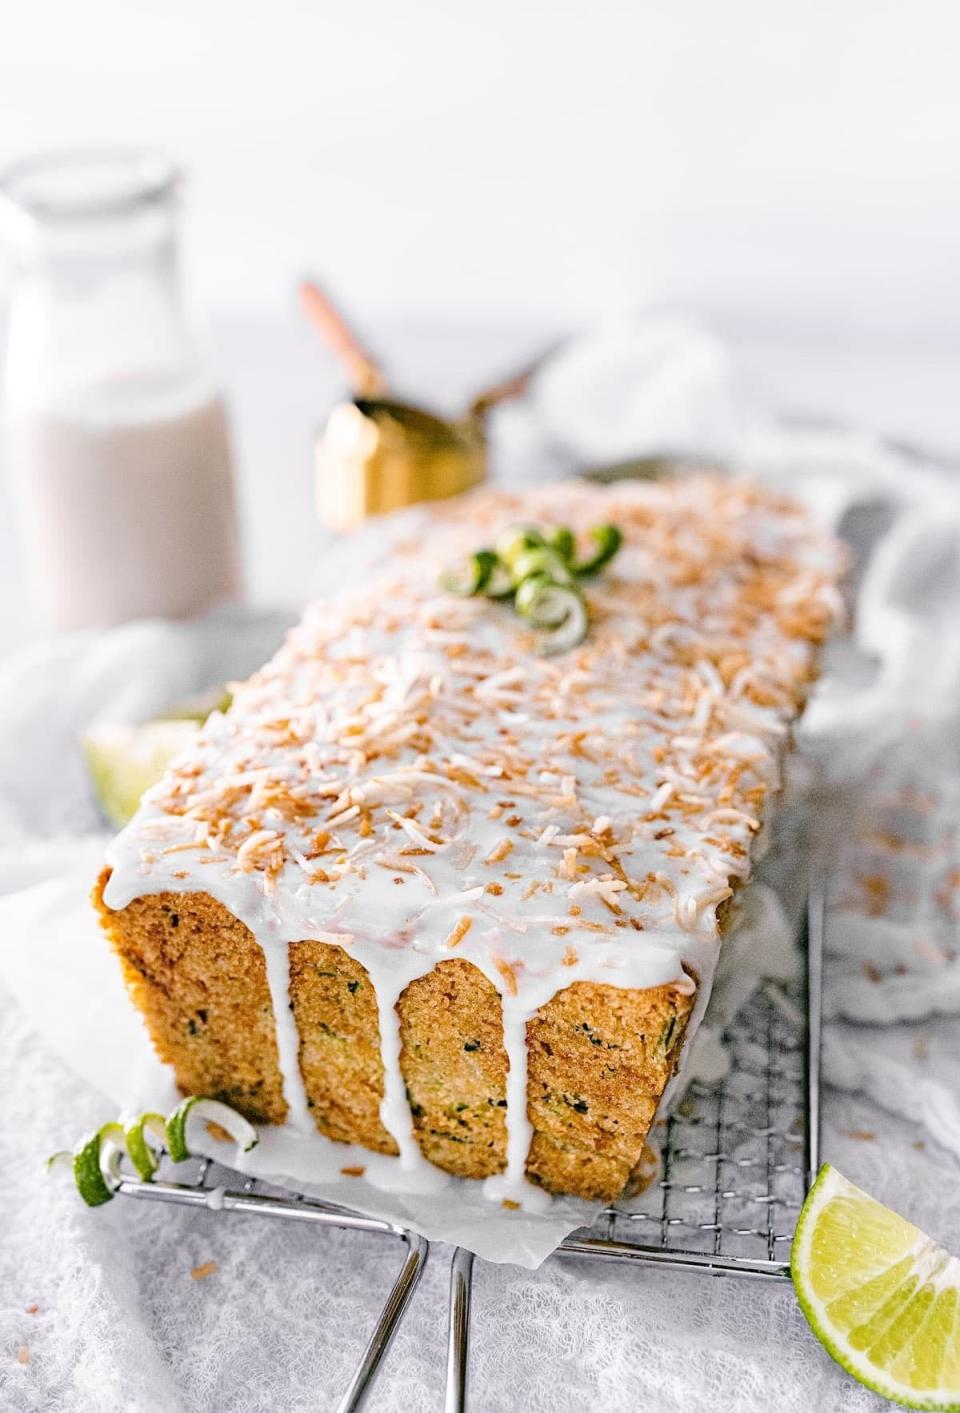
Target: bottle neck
(97,325)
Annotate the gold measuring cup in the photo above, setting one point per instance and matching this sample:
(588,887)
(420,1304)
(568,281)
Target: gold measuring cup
(377,453)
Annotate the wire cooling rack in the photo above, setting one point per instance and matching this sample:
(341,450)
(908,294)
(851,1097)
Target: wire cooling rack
(206,1185)
(736,1161)
(736,1158)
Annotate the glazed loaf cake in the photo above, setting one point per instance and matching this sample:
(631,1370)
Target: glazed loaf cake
(424,890)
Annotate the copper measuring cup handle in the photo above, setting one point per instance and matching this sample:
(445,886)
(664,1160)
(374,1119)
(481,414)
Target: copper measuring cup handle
(364,371)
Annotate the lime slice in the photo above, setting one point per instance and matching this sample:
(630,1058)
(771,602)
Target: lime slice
(199,707)
(124,761)
(881,1297)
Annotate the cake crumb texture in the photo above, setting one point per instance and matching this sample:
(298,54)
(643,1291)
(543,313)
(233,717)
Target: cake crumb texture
(599,1056)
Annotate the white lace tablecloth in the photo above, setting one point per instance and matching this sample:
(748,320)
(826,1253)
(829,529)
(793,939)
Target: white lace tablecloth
(100,1312)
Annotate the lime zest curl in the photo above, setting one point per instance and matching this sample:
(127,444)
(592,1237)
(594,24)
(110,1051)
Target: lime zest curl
(94,1164)
(608,539)
(476,578)
(558,608)
(143,1153)
(142,1140)
(539,570)
(210,1111)
(562,540)
(541,561)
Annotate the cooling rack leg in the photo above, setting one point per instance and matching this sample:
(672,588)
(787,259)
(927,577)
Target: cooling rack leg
(458,1331)
(816,912)
(361,1384)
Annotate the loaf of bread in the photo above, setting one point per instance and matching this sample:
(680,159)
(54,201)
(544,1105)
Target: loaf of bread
(427,891)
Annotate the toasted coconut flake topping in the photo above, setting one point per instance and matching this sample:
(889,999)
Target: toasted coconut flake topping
(500,851)
(605,888)
(406,737)
(508,973)
(458,933)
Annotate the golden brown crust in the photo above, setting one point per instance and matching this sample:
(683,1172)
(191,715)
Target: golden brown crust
(599,1056)
(599,1060)
(200,982)
(455,1068)
(335,1010)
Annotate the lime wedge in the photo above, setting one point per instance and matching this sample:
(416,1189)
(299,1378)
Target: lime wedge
(881,1297)
(124,761)
(199,707)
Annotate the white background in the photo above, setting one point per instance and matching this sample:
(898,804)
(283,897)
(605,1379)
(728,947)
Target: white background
(473,179)
(794,162)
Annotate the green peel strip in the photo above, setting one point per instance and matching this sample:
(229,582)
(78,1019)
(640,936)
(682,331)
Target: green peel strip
(143,1153)
(539,570)
(209,1111)
(475,579)
(94,1169)
(608,540)
(96,1158)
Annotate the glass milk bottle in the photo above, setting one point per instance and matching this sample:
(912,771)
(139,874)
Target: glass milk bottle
(117,443)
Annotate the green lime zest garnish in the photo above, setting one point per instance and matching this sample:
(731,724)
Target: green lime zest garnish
(544,602)
(539,570)
(479,569)
(558,608)
(516,540)
(563,541)
(144,1154)
(209,1111)
(608,540)
(541,561)
(500,585)
(142,1140)
(176,1128)
(94,1164)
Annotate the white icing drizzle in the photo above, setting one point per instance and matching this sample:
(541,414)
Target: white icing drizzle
(277,960)
(407,780)
(394,1109)
(512,1185)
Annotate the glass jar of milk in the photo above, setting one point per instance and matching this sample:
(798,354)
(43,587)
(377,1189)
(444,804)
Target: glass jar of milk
(118,448)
